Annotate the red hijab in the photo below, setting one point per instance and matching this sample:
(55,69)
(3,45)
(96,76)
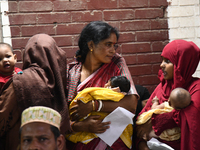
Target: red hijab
(185,57)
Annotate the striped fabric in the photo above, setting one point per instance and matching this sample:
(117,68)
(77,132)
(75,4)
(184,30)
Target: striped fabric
(99,78)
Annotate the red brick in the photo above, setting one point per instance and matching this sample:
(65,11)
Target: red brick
(154,3)
(158,46)
(114,24)
(152,35)
(126,37)
(134,25)
(130,59)
(22,19)
(149,58)
(18,54)
(135,79)
(66,5)
(155,68)
(148,13)
(102,4)
(150,79)
(151,88)
(63,40)
(19,42)
(159,24)
(54,17)
(15,31)
(137,70)
(30,6)
(73,28)
(130,48)
(75,39)
(79,16)
(31,30)
(118,14)
(133,3)
(12,7)
(70,51)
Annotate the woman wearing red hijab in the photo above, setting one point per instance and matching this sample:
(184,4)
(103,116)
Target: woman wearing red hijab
(180,61)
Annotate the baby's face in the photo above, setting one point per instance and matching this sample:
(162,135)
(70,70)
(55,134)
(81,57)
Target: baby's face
(7,60)
(169,101)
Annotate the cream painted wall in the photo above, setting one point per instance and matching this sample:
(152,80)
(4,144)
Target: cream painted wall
(5,28)
(184,22)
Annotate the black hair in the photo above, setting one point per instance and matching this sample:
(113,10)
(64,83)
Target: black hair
(95,31)
(53,129)
(6,44)
(120,81)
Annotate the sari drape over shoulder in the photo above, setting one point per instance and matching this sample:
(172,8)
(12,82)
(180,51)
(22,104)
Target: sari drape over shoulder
(185,57)
(97,79)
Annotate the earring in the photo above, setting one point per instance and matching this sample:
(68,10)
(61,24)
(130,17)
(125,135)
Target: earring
(91,50)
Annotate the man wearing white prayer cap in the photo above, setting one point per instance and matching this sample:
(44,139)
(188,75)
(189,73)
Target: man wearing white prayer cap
(40,129)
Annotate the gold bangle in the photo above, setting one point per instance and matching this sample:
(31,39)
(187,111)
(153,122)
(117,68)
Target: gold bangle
(93,105)
(72,124)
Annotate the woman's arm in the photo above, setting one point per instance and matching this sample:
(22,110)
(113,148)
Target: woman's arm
(129,102)
(81,109)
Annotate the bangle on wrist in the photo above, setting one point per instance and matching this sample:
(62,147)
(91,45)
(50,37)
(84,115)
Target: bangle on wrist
(93,105)
(100,105)
(72,124)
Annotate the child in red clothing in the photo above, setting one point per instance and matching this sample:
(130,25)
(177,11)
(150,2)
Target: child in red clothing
(7,63)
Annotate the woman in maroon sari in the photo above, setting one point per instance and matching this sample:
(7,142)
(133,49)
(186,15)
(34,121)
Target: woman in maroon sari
(180,60)
(97,62)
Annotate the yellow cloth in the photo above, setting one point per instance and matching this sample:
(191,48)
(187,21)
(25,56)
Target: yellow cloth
(100,93)
(169,134)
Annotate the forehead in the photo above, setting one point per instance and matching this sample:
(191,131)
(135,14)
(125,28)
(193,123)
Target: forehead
(5,48)
(36,129)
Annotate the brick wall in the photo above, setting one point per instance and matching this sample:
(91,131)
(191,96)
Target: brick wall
(142,25)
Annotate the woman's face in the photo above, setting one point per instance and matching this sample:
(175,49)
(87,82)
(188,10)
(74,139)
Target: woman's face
(105,49)
(167,68)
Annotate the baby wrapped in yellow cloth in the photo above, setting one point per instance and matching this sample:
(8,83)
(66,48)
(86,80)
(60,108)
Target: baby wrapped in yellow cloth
(99,93)
(179,98)
(169,134)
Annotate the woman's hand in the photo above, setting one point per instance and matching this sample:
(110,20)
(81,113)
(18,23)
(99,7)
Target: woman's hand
(80,110)
(91,124)
(144,130)
(95,125)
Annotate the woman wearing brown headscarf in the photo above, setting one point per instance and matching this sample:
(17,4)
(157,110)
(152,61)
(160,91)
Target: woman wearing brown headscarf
(42,83)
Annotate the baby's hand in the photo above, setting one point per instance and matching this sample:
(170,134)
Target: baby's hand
(116,89)
(155,99)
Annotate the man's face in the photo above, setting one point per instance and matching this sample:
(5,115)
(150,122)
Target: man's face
(38,136)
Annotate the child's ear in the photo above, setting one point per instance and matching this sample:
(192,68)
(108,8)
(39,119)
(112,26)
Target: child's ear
(15,57)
